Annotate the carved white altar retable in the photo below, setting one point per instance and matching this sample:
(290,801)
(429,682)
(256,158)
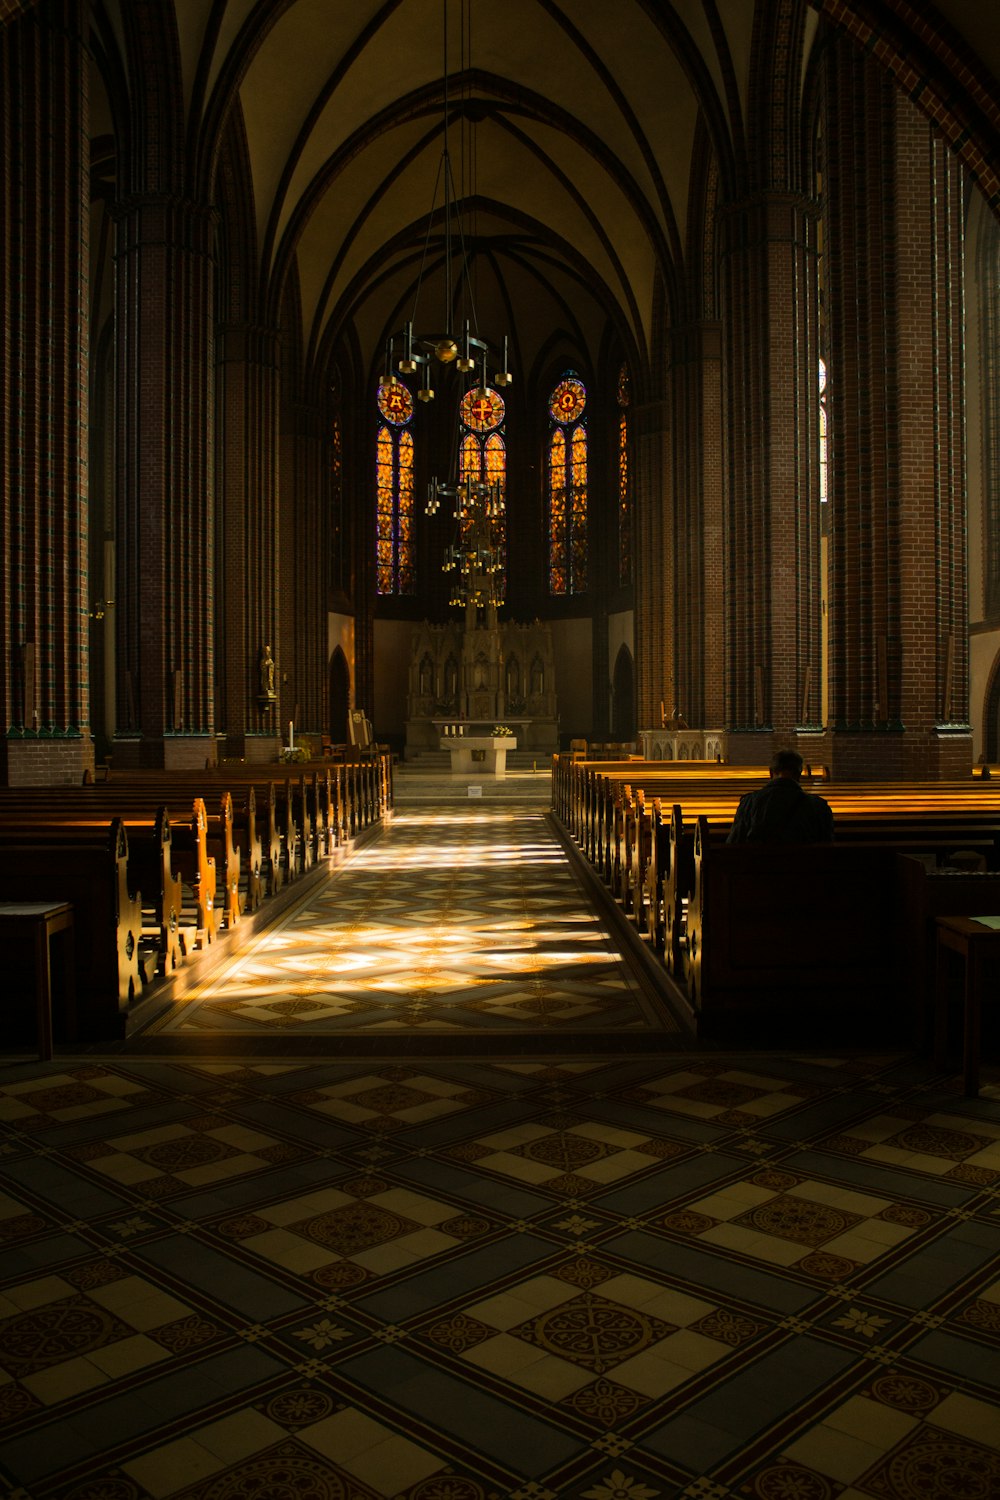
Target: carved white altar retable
(476,674)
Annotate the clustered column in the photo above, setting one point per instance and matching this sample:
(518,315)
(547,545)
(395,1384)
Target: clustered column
(44,302)
(247,537)
(894,266)
(164,442)
(655,634)
(772,516)
(304,621)
(696,356)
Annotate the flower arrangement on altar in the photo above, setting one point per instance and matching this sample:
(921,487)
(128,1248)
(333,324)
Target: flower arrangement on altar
(500,730)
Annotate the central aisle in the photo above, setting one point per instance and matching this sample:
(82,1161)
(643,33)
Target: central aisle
(461,918)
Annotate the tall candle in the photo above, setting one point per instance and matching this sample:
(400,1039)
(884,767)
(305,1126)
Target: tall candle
(291,735)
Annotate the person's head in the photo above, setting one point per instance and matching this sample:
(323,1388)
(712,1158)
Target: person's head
(787,764)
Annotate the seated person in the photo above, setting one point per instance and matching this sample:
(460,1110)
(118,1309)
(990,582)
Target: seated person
(781,812)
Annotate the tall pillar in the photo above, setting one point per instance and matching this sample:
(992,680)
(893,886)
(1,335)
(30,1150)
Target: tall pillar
(164,382)
(44,354)
(302,451)
(696,368)
(247,538)
(773,622)
(894,268)
(655,635)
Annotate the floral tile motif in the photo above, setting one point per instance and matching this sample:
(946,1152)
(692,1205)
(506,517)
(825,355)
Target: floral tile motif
(941,1145)
(798,1219)
(407,1098)
(719,1094)
(187,1157)
(386,1311)
(839,1228)
(68,1096)
(289,1468)
(934,1463)
(38,1337)
(566,1161)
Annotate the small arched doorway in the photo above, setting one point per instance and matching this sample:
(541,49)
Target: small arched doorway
(340,696)
(623,687)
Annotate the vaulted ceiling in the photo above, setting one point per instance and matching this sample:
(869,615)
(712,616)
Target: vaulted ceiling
(575,129)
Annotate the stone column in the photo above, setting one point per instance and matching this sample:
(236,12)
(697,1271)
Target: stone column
(696,367)
(44,354)
(247,537)
(773,638)
(655,634)
(165,375)
(302,456)
(894,269)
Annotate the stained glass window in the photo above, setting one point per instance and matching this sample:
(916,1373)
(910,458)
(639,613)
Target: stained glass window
(395,524)
(624,487)
(482,458)
(567,487)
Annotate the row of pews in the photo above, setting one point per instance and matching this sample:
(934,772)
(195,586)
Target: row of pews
(157,864)
(760,938)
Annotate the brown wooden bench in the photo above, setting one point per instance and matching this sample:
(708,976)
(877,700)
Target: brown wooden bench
(795,942)
(89,869)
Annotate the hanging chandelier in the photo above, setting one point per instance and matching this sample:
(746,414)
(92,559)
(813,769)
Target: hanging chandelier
(474,560)
(465,349)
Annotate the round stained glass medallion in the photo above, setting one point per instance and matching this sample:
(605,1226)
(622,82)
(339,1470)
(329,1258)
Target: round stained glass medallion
(482,410)
(568,399)
(395,403)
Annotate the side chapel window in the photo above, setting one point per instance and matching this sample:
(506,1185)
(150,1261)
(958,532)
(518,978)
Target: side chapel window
(482,457)
(567,486)
(395,537)
(624,487)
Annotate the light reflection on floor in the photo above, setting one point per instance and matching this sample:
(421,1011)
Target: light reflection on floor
(465,920)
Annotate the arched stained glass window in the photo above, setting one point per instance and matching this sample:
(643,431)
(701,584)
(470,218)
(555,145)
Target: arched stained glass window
(395,525)
(624,482)
(482,458)
(567,487)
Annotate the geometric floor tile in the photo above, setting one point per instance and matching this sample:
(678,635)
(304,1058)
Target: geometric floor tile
(516,1273)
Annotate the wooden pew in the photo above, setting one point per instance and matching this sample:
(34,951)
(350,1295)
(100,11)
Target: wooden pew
(138,810)
(926,895)
(226,853)
(89,868)
(794,940)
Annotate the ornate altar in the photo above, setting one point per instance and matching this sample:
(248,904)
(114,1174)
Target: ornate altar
(478,673)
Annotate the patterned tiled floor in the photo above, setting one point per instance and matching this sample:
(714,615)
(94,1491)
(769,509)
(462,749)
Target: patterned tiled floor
(608,1279)
(454,919)
(498,1275)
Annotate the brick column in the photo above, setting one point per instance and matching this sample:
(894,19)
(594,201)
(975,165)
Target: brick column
(302,456)
(44,353)
(655,631)
(773,622)
(894,267)
(247,536)
(696,368)
(164,380)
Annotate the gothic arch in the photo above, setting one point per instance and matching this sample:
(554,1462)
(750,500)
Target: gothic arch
(991,714)
(340,696)
(623,683)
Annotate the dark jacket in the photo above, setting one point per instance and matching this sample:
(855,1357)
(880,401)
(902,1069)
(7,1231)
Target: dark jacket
(782,813)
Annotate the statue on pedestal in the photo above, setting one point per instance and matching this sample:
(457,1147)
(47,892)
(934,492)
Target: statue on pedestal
(266,695)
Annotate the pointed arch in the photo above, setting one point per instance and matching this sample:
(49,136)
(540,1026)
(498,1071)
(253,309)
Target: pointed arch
(623,685)
(340,696)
